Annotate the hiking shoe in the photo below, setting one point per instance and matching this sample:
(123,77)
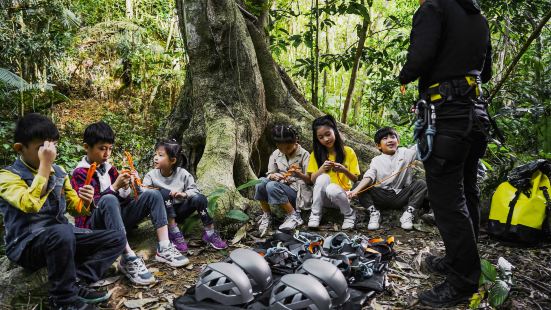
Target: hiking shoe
(349,221)
(264,223)
(78,305)
(91,296)
(171,256)
(429,218)
(291,221)
(374,218)
(435,264)
(177,239)
(314,221)
(214,240)
(406,220)
(443,295)
(135,270)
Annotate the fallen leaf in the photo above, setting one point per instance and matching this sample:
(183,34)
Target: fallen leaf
(105,282)
(189,267)
(240,234)
(138,303)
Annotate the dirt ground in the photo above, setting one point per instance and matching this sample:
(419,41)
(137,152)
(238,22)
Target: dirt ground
(532,273)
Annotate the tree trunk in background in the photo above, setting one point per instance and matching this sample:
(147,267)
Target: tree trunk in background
(355,67)
(234,92)
(129,9)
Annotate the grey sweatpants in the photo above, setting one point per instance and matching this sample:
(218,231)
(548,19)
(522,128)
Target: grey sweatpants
(327,194)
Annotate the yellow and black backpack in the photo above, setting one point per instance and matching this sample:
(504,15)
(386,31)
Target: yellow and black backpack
(521,207)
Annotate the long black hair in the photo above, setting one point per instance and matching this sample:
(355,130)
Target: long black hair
(172,150)
(320,152)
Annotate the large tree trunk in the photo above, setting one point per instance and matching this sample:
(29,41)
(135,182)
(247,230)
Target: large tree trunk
(233,94)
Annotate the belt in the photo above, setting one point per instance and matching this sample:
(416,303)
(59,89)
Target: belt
(467,87)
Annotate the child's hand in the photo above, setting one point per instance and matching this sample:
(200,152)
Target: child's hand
(180,195)
(134,175)
(326,166)
(275,176)
(122,181)
(338,167)
(86,193)
(47,153)
(351,194)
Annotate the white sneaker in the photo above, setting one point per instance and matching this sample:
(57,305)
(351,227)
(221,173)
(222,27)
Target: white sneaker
(264,223)
(374,218)
(314,221)
(171,256)
(407,218)
(135,270)
(349,221)
(291,222)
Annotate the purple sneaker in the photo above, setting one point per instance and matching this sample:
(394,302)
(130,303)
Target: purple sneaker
(215,241)
(178,241)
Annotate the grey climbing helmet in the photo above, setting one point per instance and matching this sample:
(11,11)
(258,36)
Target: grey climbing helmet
(255,267)
(330,277)
(299,291)
(224,283)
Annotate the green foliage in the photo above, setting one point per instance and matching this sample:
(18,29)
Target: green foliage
(494,285)
(219,192)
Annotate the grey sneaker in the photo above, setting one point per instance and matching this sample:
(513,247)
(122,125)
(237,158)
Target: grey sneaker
(291,222)
(264,223)
(135,270)
(171,256)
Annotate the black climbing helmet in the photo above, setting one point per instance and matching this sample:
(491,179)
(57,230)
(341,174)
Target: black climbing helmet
(330,277)
(224,283)
(299,291)
(255,266)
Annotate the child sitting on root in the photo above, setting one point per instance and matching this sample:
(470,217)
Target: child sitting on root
(285,184)
(397,188)
(181,195)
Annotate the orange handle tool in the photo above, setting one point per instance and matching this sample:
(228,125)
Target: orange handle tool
(88,180)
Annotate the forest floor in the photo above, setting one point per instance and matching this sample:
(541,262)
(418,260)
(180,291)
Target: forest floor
(531,275)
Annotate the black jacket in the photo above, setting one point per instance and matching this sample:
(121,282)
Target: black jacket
(449,38)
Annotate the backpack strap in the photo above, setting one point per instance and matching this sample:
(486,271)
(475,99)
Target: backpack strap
(511,210)
(547,208)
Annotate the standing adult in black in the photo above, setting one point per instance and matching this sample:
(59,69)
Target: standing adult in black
(450,53)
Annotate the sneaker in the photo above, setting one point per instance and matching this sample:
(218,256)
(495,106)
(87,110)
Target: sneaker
(135,270)
(349,221)
(171,256)
(429,218)
(177,239)
(435,264)
(264,223)
(91,296)
(374,218)
(407,218)
(291,221)
(443,295)
(78,305)
(314,221)
(214,240)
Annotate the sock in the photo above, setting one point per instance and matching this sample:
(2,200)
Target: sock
(173,228)
(209,231)
(163,244)
(126,256)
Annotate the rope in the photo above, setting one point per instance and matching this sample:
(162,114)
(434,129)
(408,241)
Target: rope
(384,179)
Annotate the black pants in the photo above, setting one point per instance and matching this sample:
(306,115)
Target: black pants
(412,195)
(68,255)
(453,192)
(185,209)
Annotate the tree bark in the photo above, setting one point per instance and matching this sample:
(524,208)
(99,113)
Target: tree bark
(234,92)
